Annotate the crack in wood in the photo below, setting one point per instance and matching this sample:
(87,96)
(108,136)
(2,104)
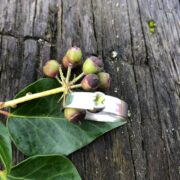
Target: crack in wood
(34,17)
(25,37)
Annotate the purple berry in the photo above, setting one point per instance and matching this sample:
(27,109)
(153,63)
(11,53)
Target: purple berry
(90,82)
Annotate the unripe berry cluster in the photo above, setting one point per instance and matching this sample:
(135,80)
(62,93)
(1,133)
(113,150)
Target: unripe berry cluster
(93,77)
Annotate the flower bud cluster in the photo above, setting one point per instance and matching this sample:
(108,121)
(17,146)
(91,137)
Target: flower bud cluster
(94,77)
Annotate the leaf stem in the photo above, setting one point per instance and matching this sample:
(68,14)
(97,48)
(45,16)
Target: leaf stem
(28,97)
(77,78)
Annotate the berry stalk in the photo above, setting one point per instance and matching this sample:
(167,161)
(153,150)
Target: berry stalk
(68,74)
(61,74)
(77,78)
(76,86)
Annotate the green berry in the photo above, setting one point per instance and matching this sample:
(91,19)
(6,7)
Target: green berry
(66,62)
(90,82)
(74,55)
(51,68)
(92,65)
(104,80)
(74,115)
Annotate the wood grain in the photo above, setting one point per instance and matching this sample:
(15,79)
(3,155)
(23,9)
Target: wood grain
(145,73)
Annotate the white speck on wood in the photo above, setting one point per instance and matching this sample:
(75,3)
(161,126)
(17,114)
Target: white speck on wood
(114,54)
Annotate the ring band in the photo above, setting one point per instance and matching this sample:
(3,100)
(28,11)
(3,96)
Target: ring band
(112,108)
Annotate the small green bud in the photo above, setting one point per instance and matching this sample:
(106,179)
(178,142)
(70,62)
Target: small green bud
(74,115)
(74,55)
(90,82)
(104,79)
(93,65)
(51,68)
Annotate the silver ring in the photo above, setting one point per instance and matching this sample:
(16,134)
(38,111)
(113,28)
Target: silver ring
(111,108)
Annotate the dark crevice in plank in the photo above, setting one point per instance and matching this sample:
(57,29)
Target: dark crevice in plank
(143,33)
(94,26)
(62,12)
(141,121)
(37,63)
(131,40)
(0,54)
(30,60)
(20,54)
(34,17)
(24,37)
(16,14)
(53,30)
(131,149)
(158,115)
(153,86)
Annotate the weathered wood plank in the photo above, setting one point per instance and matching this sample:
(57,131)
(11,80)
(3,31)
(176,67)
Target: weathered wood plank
(146,74)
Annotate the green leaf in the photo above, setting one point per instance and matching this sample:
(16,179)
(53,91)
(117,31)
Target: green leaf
(49,167)
(38,126)
(5,149)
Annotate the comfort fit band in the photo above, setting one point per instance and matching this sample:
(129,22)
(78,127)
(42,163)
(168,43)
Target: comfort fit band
(112,108)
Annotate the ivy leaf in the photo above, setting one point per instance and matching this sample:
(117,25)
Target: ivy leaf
(45,167)
(5,149)
(39,127)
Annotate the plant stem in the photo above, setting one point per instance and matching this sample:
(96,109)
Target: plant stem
(62,96)
(28,97)
(68,74)
(76,86)
(77,78)
(57,78)
(14,102)
(61,74)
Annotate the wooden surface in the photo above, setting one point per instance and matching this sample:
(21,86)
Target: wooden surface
(145,73)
